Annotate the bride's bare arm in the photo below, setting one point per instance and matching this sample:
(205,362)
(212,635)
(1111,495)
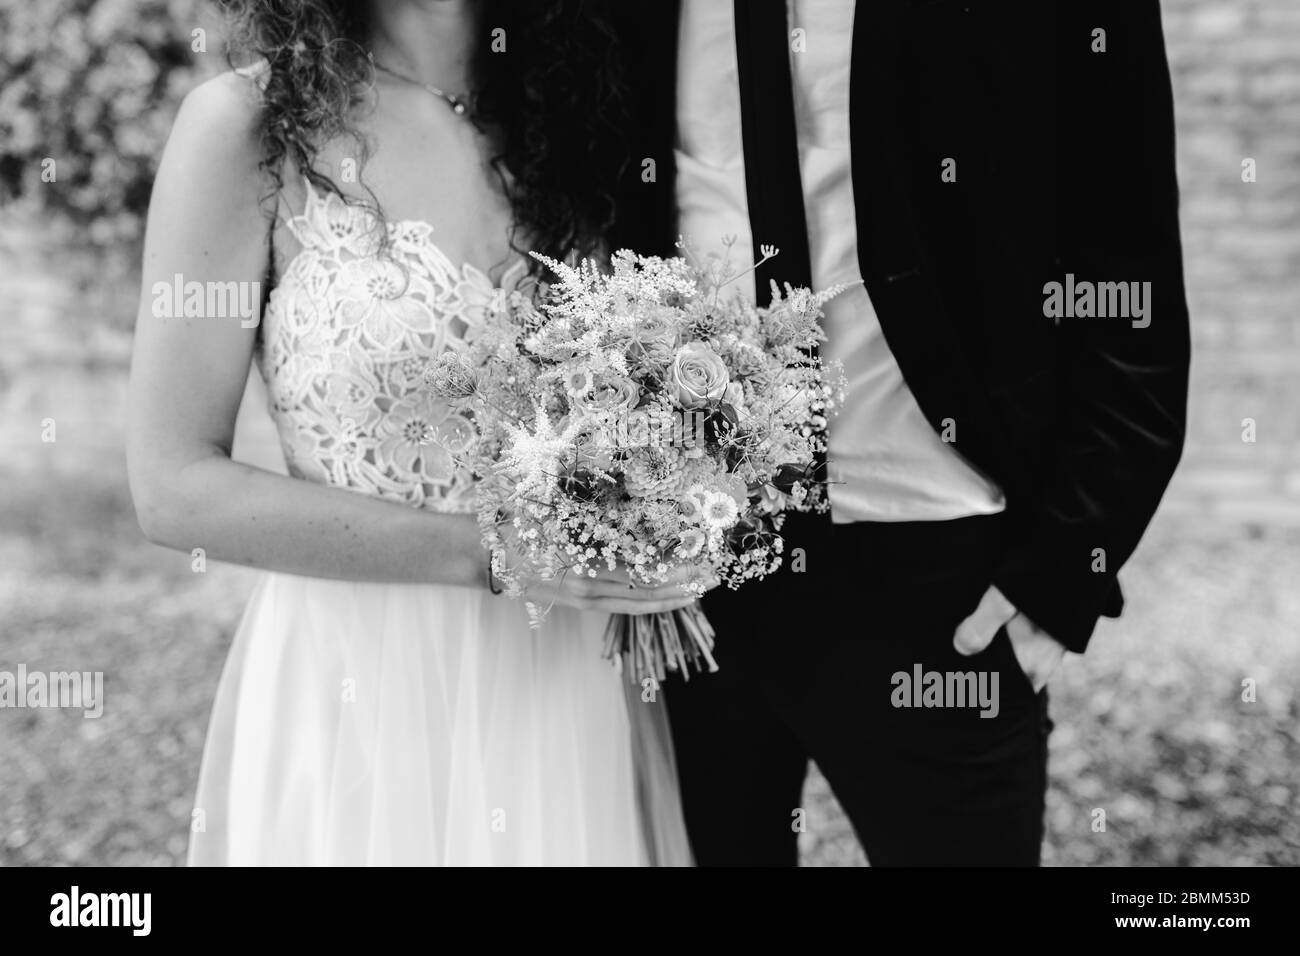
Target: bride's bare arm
(206,224)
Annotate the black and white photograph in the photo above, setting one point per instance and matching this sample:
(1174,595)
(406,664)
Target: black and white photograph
(652,433)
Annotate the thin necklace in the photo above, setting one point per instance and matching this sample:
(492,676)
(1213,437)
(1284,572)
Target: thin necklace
(459,104)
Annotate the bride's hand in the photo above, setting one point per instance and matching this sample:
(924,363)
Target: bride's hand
(613,592)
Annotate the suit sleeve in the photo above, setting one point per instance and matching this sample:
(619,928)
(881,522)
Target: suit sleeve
(1120,424)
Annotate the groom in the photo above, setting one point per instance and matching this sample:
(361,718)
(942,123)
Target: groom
(975,163)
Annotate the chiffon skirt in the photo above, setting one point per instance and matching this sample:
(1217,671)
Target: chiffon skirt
(382,724)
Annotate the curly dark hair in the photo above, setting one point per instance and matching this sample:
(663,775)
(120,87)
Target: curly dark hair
(554,102)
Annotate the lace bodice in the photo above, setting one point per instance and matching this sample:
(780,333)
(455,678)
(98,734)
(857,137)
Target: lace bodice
(345,340)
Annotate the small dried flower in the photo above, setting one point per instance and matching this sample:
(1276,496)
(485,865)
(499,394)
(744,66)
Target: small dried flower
(451,376)
(720,510)
(652,470)
(690,543)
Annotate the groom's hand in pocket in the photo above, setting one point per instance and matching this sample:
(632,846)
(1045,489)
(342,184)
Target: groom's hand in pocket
(1038,653)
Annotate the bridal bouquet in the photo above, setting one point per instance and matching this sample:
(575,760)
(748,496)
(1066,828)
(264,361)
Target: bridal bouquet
(637,417)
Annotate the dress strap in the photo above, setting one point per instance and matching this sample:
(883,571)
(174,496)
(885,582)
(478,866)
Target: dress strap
(301,223)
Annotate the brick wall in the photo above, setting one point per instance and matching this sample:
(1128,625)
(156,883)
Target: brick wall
(1236,69)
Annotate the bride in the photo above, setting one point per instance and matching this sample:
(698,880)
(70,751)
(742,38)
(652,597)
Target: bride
(379,168)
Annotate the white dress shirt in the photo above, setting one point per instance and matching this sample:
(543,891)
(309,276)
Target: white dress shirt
(886,463)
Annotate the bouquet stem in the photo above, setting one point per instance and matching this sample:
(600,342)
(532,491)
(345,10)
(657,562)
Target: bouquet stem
(651,645)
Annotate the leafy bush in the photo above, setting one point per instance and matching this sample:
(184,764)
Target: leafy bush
(88,92)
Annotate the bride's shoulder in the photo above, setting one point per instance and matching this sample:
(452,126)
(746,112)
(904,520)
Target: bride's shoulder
(228,104)
(211,164)
(218,128)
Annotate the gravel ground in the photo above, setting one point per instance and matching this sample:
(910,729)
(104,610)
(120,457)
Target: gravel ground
(1150,725)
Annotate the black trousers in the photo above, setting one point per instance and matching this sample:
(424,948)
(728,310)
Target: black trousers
(816,672)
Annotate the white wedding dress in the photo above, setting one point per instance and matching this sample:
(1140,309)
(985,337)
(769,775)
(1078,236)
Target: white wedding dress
(386,724)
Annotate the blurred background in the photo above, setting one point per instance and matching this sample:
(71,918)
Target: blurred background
(1151,725)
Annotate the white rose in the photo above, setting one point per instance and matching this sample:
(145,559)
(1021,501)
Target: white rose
(698,377)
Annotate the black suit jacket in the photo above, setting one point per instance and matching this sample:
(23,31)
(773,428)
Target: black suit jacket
(1064,164)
